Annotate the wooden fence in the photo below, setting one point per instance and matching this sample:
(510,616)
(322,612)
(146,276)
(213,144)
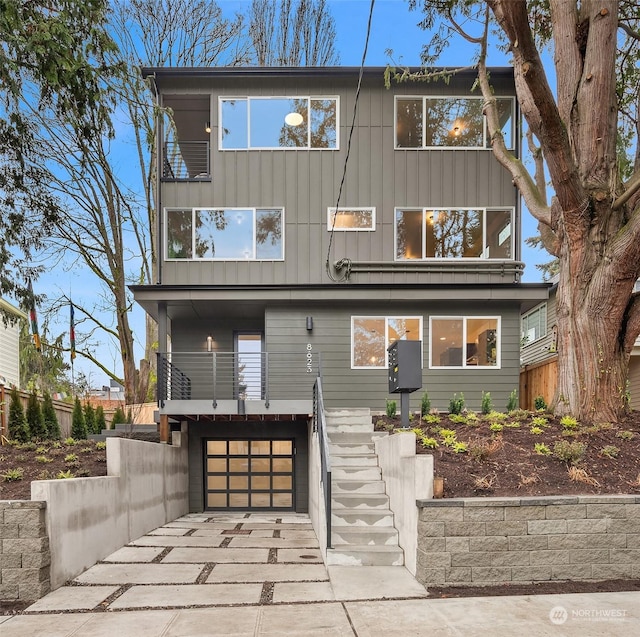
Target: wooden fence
(539,379)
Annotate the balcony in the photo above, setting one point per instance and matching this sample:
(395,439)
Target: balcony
(236,383)
(184,161)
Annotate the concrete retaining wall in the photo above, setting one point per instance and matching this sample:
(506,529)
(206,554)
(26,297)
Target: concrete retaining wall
(408,477)
(480,541)
(24,551)
(317,509)
(90,518)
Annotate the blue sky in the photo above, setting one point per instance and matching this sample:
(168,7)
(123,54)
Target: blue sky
(394,27)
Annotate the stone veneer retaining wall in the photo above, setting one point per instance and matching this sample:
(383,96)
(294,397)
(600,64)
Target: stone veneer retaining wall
(24,551)
(481,541)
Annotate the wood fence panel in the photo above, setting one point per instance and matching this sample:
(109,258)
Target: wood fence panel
(540,379)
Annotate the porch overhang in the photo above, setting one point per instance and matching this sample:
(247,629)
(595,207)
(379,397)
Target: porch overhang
(203,410)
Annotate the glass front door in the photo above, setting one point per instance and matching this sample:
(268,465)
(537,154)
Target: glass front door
(249,365)
(249,474)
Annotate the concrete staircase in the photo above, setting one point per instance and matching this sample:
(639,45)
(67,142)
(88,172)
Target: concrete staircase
(362,530)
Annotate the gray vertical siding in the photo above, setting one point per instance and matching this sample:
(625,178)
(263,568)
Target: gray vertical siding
(306,182)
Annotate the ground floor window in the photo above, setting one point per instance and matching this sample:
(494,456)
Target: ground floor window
(372,335)
(249,474)
(464,341)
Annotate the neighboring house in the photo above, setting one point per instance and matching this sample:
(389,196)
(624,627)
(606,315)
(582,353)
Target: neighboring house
(10,343)
(539,357)
(262,286)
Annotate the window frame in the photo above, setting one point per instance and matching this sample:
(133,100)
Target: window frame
(331,211)
(425,209)
(386,319)
(486,143)
(465,318)
(194,211)
(527,315)
(248,98)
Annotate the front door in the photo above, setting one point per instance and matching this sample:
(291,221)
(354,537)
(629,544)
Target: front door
(249,366)
(249,474)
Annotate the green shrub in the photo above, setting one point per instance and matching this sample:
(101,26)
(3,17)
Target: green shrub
(541,449)
(64,475)
(486,405)
(101,445)
(18,426)
(432,419)
(570,452)
(118,417)
(458,419)
(539,403)
(456,404)
(425,404)
(512,403)
(496,416)
(392,407)
(610,451)
(101,423)
(34,417)
(536,431)
(12,475)
(625,435)
(90,419)
(50,418)
(69,441)
(496,427)
(569,422)
(460,447)
(539,421)
(71,458)
(43,459)
(78,427)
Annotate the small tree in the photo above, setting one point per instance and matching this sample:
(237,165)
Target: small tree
(101,423)
(18,426)
(118,417)
(35,420)
(425,404)
(90,419)
(78,427)
(50,418)
(486,403)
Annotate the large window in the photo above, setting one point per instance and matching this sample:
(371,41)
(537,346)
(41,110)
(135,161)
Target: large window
(461,341)
(278,122)
(372,335)
(348,219)
(534,324)
(231,234)
(449,122)
(479,233)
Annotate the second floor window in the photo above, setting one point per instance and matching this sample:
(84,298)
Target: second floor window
(351,219)
(449,122)
(231,234)
(480,233)
(278,122)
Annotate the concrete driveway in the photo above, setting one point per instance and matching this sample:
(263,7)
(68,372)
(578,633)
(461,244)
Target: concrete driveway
(258,574)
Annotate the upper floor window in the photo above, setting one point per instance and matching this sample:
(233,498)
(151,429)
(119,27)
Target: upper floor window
(348,219)
(231,234)
(278,122)
(534,324)
(449,122)
(426,233)
(372,335)
(464,341)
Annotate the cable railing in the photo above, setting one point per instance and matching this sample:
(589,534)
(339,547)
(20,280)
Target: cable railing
(320,426)
(242,376)
(186,160)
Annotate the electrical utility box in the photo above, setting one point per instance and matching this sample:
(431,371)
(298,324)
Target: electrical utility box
(405,366)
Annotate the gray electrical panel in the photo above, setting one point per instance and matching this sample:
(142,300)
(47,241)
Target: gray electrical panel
(405,366)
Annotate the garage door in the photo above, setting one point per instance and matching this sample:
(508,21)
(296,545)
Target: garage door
(249,474)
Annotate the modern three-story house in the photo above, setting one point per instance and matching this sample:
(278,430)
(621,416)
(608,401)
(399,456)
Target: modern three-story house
(278,265)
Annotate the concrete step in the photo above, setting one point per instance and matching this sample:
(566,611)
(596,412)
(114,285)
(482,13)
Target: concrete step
(354,437)
(366,556)
(357,486)
(357,460)
(343,420)
(361,517)
(339,472)
(364,536)
(351,448)
(359,501)
(128,427)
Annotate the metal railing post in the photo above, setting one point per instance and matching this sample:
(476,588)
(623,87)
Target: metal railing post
(213,378)
(266,379)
